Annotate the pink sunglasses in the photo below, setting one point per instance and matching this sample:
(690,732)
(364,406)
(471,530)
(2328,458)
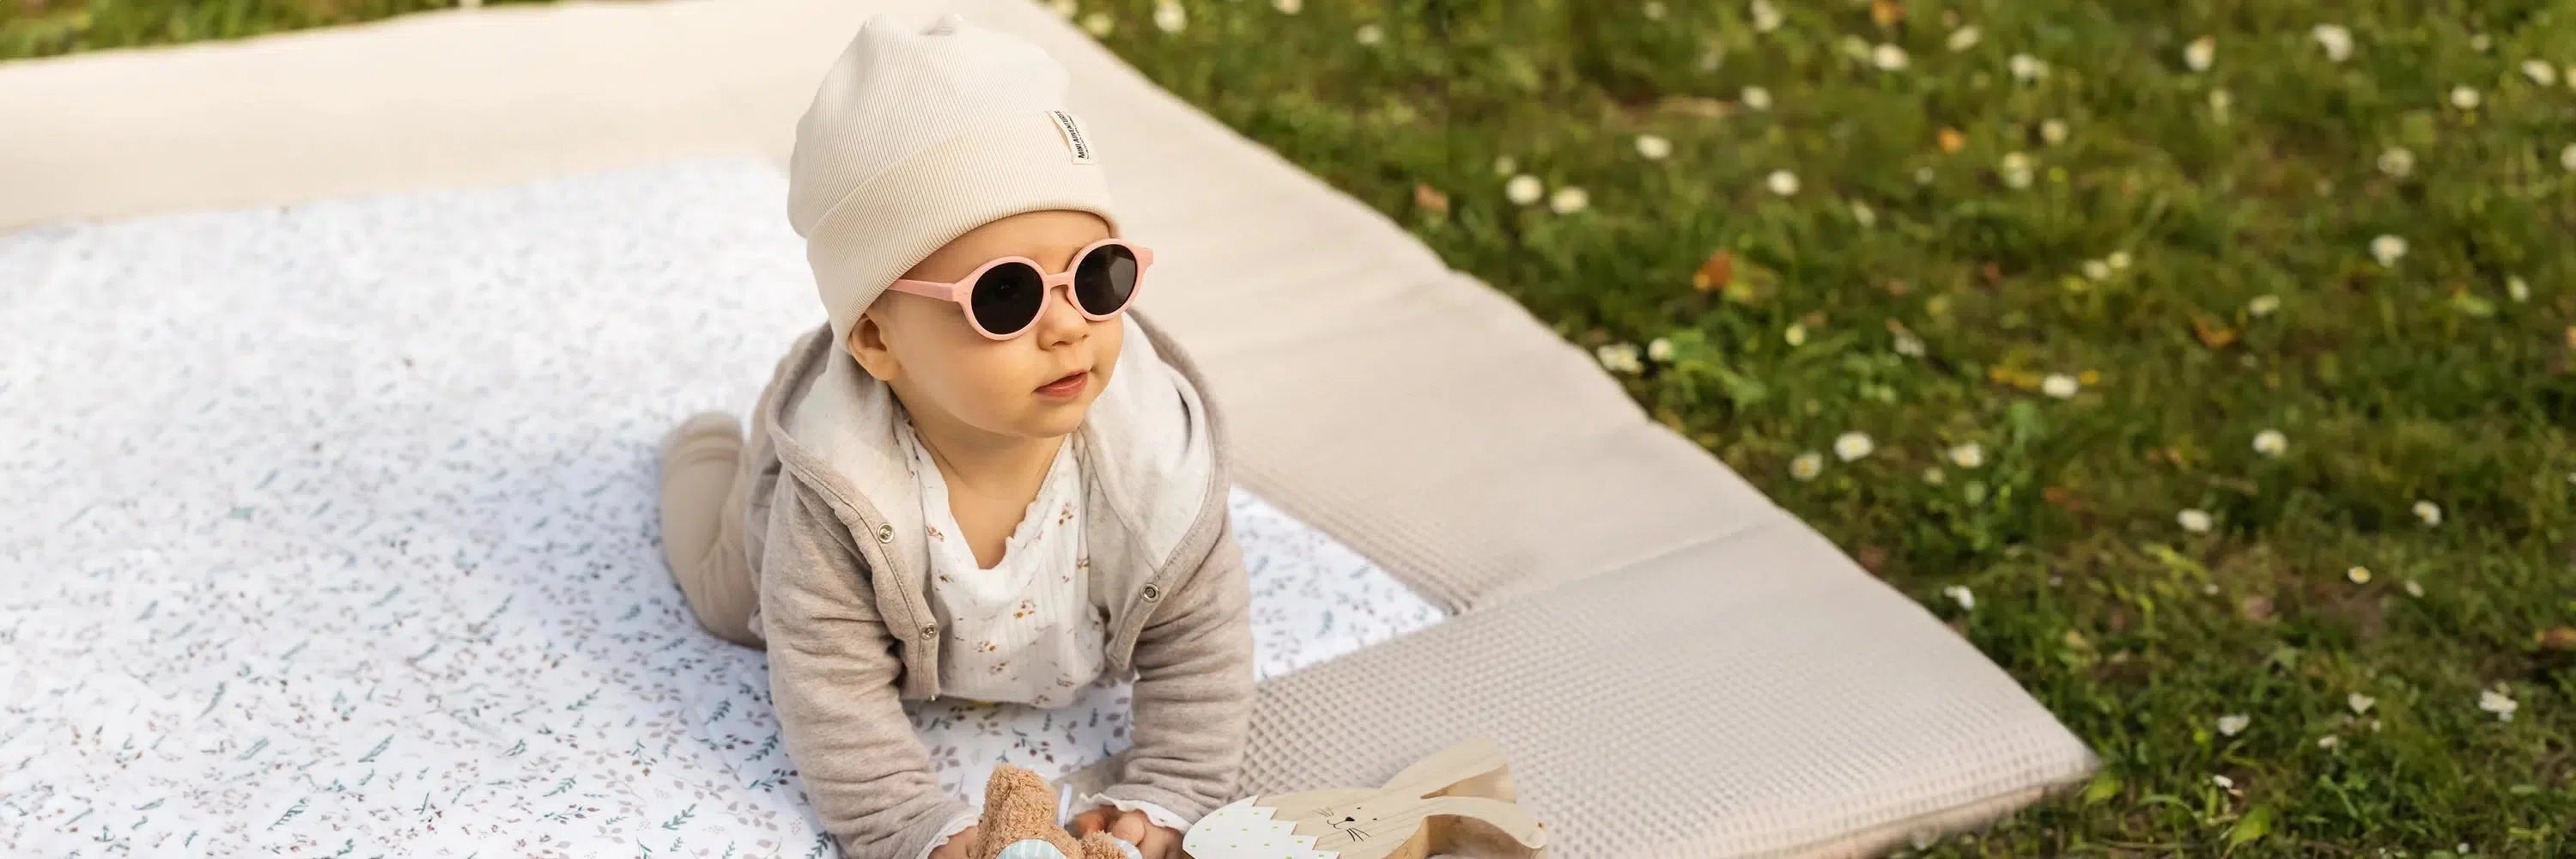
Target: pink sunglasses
(1004,297)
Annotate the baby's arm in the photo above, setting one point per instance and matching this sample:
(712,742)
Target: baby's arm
(1193,692)
(832,673)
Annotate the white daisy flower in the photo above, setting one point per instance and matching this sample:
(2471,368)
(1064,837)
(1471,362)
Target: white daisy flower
(1968,455)
(1369,34)
(1654,147)
(1960,594)
(1782,182)
(2357,574)
(1654,11)
(1524,189)
(1660,350)
(1766,17)
(1098,24)
(1924,175)
(2058,385)
(1862,213)
(2414,590)
(2540,72)
(2027,68)
(1909,345)
(2335,39)
(2359,703)
(1288,7)
(1796,335)
(1063,8)
(2480,42)
(1853,445)
(2388,249)
(2015,168)
(2233,723)
(1807,465)
(1756,98)
(2095,269)
(2200,53)
(2397,162)
(2194,520)
(2329,742)
(2053,131)
(2465,98)
(2118,259)
(2499,703)
(2516,289)
(1964,38)
(1932,475)
(1619,358)
(2223,781)
(2428,511)
(1170,17)
(2263,305)
(2567,158)
(2271,442)
(1568,200)
(1887,58)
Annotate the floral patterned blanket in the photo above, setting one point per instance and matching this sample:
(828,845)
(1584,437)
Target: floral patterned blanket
(329,532)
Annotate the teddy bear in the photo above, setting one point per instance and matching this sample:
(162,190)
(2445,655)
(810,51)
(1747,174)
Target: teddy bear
(1019,822)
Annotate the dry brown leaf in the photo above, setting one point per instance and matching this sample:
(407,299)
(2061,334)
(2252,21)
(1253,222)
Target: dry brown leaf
(1991,272)
(2211,334)
(2256,608)
(2556,638)
(1692,105)
(2062,498)
(1952,141)
(1430,199)
(1886,12)
(1871,558)
(1715,273)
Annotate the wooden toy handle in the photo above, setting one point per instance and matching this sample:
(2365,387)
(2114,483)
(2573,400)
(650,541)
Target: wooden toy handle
(1459,763)
(1504,816)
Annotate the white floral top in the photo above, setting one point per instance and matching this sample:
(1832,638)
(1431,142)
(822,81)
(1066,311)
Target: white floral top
(1024,631)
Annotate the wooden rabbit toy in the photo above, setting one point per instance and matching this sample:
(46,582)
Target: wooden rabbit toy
(1456,802)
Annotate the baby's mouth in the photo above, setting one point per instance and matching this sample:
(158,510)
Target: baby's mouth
(1066,386)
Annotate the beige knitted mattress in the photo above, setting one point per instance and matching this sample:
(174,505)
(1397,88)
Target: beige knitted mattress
(1677,667)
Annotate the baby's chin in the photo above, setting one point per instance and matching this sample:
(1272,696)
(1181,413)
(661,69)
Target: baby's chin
(1047,420)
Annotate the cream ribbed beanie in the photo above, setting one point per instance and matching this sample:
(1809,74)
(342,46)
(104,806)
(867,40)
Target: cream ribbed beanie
(920,134)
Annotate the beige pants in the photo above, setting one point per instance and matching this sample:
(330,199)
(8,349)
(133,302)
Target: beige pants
(702,524)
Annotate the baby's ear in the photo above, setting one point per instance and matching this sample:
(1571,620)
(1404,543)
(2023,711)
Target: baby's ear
(867,345)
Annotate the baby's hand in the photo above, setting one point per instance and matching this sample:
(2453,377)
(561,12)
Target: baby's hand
(1153,842)
(958,846)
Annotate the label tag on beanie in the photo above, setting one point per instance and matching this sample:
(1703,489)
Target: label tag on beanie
(1074,139)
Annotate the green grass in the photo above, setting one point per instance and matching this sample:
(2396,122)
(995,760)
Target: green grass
(41,28)
(2427,379)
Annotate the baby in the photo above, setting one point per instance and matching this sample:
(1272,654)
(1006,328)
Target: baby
(987,478)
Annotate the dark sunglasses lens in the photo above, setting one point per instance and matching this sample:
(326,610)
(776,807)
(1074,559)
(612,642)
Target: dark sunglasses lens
(1008,297)
(1105,280)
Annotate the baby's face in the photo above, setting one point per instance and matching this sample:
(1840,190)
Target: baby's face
(1039,384)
